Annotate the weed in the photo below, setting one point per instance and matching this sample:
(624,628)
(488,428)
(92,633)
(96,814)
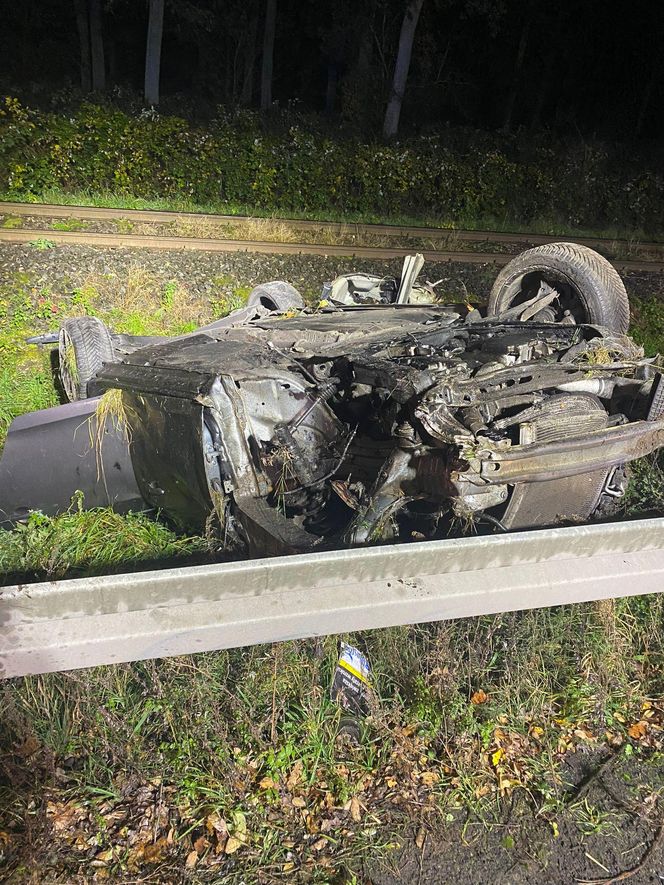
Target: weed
(13,222)
(592,821)
(110,414)
(69,224)
(41,244)
(123,225)
(645,491)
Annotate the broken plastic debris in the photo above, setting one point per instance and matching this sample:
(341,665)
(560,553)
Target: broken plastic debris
(351,686)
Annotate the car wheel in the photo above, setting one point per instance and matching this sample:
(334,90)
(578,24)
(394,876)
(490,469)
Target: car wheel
(84,345)
(277,295)
(590,289)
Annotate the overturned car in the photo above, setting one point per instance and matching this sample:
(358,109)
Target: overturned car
(366,419)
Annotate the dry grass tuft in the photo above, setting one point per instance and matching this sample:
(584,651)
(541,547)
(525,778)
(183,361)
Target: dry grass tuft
(110,414)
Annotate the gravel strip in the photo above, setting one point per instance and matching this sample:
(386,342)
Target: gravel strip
(63,268)
(275,230)
(262,230)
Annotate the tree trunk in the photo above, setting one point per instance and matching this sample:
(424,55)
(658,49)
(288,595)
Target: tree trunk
(83,28)
(249,59)
(406,37)
(268,54)
(520,55)
(153,52)
(97,47)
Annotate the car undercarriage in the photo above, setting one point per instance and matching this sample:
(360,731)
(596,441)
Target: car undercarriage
(364,420)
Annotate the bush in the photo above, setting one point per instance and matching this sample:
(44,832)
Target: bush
(457,174)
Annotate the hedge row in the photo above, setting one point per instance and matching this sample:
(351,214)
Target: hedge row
(234,159)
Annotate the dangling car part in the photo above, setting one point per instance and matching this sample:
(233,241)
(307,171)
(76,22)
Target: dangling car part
(293,429)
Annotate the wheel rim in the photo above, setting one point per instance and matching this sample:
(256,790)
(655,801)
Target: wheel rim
(68,365)
(570,306)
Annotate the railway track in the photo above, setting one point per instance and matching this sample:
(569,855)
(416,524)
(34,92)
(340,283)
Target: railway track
(441,238)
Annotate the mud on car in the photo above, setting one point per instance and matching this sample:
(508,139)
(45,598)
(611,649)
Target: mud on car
(379,415)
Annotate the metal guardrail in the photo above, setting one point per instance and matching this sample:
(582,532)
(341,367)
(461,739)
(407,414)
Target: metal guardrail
(63,625)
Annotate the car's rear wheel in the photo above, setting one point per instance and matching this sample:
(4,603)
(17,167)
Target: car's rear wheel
(84,345)
(589,288)
(277,295)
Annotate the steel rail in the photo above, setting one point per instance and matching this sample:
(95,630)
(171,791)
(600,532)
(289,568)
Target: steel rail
(93,213)
(138,241)
(63,625)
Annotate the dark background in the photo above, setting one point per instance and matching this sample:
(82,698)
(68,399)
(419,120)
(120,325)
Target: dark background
(587,69)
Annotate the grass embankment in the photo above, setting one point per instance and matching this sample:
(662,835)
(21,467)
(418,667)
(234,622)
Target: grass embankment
(227,766)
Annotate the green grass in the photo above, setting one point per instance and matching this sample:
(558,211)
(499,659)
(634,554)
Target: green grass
(69,224)
(647,324)
(12,223)
(113,200)
(85,542)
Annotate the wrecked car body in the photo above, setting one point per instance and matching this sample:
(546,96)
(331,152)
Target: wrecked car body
(290,429)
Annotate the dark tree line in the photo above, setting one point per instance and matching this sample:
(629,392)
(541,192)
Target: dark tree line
(374,64)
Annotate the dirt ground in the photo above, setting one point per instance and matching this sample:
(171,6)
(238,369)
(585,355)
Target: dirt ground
(611,831)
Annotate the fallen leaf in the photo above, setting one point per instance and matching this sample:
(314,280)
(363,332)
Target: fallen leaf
(298,802)
(233,844)
(239,823)
(28,748)
(355,812)
(584,734)
(287,867)
(319,844)
(147,853)
(420,838)
(201,844)
(155,852)
(192,860)
(496,756)
(267,783)
(479,697)
(637,730)
(295,775)
(214,823)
